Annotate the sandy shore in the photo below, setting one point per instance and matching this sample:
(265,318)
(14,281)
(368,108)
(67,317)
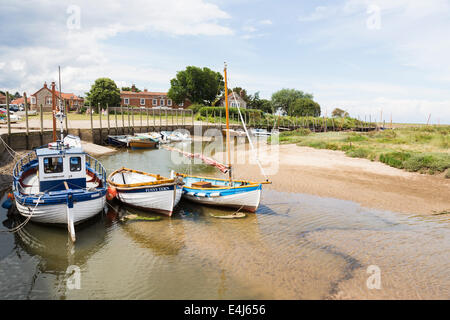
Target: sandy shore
(328,173)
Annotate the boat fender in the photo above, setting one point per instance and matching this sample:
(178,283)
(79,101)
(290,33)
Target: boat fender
(111,193)
(201,194)
(7,204)
(215,194)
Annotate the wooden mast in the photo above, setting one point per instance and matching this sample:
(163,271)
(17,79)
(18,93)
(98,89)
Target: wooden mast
(228,123)
(54,110)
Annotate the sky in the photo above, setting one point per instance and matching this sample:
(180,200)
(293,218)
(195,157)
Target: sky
(372,58)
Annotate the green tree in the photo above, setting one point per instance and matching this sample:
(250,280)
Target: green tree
(305,107)
(130,89)
(339,113)
(261,104)
(285,98)
(103,91)
(196,84)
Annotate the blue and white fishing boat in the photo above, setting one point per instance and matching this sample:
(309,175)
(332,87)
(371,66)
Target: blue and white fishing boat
(59,184)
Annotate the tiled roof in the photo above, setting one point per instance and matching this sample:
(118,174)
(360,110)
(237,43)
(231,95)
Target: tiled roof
(145,93)
(18,101)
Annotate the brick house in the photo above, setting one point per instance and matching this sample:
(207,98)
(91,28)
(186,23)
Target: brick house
(149,99)
(44,96)
(2,98)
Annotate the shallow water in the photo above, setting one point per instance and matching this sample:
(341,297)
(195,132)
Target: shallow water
(296,246)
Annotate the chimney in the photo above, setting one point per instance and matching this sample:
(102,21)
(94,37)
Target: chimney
(145,90)
(133,88)
(45,84)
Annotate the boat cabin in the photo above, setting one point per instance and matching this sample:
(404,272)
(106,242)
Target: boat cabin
(56,166)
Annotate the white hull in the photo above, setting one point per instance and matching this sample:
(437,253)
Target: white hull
(57,213)
(158,201)
(245,200)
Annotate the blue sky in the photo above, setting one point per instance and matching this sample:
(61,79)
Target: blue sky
(366,57)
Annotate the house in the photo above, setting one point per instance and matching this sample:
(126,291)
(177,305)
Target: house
(149,99)
(19,101)
(44,96)
(234,101)
(2,98)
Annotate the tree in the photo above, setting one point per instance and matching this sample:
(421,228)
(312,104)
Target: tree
(261,104)
(103,91)
(130,89)
(196,84)
(305,107)
(284,99)
(339,113)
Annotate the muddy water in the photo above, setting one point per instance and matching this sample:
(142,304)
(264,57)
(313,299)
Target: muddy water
(296,246)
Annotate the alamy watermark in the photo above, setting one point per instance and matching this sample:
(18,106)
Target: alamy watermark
(374,280)
(74,277)
(373,22)
(73,21)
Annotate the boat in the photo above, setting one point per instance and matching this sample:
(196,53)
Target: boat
(240,194)
(235,133)
(118,141)
(142,142)
(59,184)
(175,136)
(145,190)
(260,132)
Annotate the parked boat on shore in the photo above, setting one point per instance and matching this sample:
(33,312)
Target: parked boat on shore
(145,190)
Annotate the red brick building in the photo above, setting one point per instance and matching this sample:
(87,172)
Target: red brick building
(2,98)
(149,99)
(44,96)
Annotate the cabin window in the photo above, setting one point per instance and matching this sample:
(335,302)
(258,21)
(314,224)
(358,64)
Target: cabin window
(53,165)
(75,163)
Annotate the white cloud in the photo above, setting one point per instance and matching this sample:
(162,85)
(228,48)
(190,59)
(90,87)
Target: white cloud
(266,22)
(31,52)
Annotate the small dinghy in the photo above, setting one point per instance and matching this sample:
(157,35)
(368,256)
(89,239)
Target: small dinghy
(238,194)
(59,184)
(118,141)
(145,190)
(142,142)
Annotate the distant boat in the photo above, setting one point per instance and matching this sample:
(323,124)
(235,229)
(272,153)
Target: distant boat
(118,141)
(145,190)
(142,143)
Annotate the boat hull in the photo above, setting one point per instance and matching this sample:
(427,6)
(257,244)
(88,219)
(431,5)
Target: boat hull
(160,199)
(142,144)
(57,213)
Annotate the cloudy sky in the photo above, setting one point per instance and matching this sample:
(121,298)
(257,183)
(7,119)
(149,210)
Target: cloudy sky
(366,57)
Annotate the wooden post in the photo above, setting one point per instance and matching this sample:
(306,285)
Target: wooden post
(154,119)
(132,117)
(100,117)
(26,113)
(123,119)
(115,118)
(148,125)
(167,121)
(41,114)
(107,117)
(66,111)
(141,118)
(171,113)
(192,113)
(92,121)
(160,119)
(8,114)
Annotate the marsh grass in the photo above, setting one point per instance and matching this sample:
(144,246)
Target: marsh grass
(418,149)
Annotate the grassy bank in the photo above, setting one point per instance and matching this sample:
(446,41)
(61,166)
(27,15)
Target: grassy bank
(419,149)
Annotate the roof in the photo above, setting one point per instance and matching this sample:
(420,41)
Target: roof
(65,96)
(146,93)
(18,101)
(55,152)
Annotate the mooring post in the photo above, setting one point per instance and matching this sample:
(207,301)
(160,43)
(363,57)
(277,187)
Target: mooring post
(115,119)
(8,115)
(167,120)
(148,120)
(41,115)
(160,119)
(128,114)
(132,118)
(123,120)
(66,111)
(100,118)
(140,111)
(26,114)
(107,117)
(192,114)
(154,120)
(92,121)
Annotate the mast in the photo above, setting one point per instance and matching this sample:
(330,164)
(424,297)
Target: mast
(61,107)
(54,110)
(228,122)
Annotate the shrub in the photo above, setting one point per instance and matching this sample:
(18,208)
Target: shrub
(395,159)
(358,153)
(196,107)
(433,162)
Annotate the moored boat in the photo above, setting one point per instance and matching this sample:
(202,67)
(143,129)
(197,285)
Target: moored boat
(59,184)
(145,190)
(142,142)
(118,141)
(238,194)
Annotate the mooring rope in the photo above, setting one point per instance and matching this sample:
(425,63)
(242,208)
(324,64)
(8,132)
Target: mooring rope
(22,225)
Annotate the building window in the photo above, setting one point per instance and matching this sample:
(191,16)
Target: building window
(169,102)
(75,163)
(162,102)
(155,102)
(181,104)
(235,104)
(33,100)
(142,102)
(53,165)
(48,100)
(126,100)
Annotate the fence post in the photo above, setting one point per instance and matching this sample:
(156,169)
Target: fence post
(167,120)
(141,118)
(7,114)
(26,114)
(100,117)
(107,116)
(115,118)
(154,119)
(128,116)
(148,125)
(192,113)
(41,114)
(92,121)
(132,117)
(66,111)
